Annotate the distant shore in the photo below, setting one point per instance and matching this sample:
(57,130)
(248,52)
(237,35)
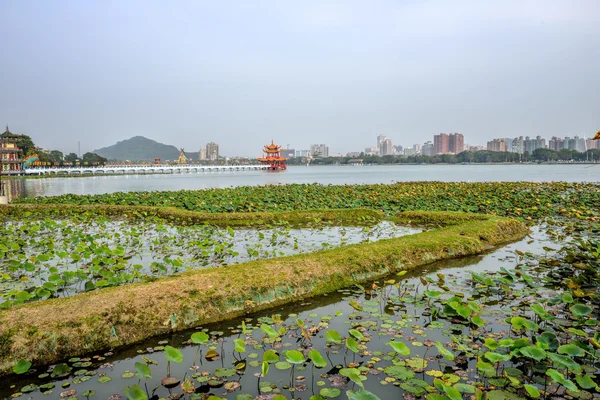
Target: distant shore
(18,177)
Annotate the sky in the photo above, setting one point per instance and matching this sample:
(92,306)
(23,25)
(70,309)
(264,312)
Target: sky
(241,73)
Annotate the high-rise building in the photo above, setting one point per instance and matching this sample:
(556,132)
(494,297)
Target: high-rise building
(380,139)
(518,145)
(427,149)
(202,153)
(319,150)
(577,144)
(212,151)
(497,145)
(530,145)
(302,153)
(417,148)
(288,153)
(556,143)
(386,148)
(441,143)
(456,143)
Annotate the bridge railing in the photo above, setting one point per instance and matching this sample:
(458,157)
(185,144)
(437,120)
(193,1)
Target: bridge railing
(138,167)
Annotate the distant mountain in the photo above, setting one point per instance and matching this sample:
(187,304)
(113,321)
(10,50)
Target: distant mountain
(139,148)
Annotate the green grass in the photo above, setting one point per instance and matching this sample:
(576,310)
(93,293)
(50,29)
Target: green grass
(177,216)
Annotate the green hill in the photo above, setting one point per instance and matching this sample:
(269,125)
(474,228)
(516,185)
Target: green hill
(139,148)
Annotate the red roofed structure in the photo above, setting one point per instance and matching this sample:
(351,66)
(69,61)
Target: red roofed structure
(272,157)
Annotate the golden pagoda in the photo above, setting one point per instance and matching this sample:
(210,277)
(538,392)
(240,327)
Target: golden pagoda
(272,157)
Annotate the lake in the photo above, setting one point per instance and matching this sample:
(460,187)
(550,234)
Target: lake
(327,175)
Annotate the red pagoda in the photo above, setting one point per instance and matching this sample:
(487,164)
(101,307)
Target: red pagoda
(272,158)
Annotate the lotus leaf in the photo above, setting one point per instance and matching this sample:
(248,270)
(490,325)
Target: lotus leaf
(330,393)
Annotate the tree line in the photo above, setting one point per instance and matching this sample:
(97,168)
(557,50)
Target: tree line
(52,157)
(482,156)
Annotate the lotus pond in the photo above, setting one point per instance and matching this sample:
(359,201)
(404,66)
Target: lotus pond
(47,258)
(519,322)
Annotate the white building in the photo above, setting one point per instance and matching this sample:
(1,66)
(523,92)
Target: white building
(427,149)
(319,150)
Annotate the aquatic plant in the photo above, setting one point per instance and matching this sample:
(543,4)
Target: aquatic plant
(516,199)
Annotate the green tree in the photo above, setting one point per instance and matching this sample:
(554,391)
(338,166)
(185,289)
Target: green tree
(93,158)
(71,157)
(56,156)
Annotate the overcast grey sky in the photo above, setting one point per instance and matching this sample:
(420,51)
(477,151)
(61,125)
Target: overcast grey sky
(338,72)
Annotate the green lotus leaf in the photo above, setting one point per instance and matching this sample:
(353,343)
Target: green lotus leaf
(135,393)
(333,336)
(283,365)
(225,372)
(272,333)
(532,391)
(200,337)
(317,358)
(270,356)
(294,357)
(173,355)
(452,392)
(330,393)
(448,355)
(400,348)
(21,367)
(586,382)
(361,394)
(533,352)
(580,310)
(239,345)
(496,357)
(351,344)
(571,350)
(399,372)
(464,388)
(142,371)
(564,362)
(547,341)
(359,336)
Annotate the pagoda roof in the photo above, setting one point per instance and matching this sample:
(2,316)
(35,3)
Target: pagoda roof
(272,147)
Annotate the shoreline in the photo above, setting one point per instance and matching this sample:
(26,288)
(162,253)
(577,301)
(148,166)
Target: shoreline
(53,176)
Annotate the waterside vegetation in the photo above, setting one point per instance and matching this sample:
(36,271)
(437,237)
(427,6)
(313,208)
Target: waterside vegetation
(50,330)
(527,329)
(513,199)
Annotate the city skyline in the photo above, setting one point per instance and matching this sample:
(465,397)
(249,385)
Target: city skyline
(386,146)
(327,72)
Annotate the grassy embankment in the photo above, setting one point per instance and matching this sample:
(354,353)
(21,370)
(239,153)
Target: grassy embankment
(50,330)
(179,216)
(527,200)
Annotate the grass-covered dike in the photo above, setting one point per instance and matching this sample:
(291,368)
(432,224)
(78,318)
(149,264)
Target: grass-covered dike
(54,329)
(527,200)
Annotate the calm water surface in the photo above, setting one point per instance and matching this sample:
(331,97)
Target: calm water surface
(335,175)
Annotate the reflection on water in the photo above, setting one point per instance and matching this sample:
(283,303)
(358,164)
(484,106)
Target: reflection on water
(335,175)
(13,188)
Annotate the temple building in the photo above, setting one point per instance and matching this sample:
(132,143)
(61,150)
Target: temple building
(272,157)
(11,157)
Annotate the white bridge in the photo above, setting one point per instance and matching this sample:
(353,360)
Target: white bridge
(140,169)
